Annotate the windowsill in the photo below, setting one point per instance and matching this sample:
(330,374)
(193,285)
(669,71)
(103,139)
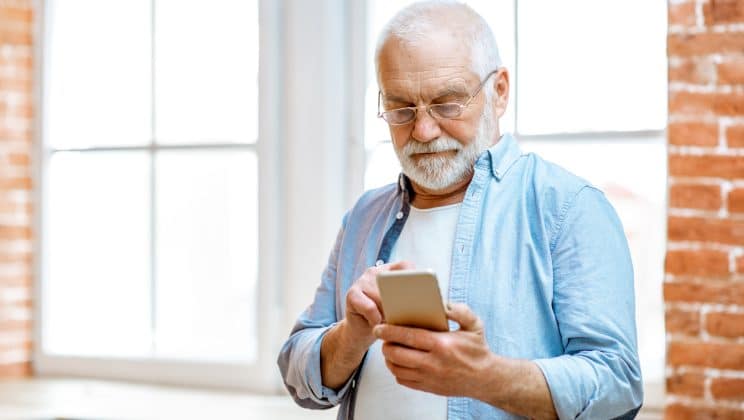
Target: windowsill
(73,398)
(87,398)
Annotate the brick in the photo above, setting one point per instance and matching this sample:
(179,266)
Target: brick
(705,43)
(15,35)
(689,384)
(724,231)
(14,232)
(723,11)
(15,370)
(7,207)
(15,324)
(19,159)
(682,322)
(24,257)
(18,85)
(695,196)
(706,103)
(727,389)
(736,200)
(723,292)
(735,136)
(681,14)
(705,263)
(714,355)
(696,70)
(731,72)
(16,14)
(15,183)
(717,166)
(22,111)
(680,411)
(15,281)
(25,345)
(725,324)
(693,134)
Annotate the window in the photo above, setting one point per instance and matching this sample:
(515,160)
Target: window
(150,182)
(590,95)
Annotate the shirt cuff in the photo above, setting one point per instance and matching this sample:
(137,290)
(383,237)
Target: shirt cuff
(313,373)
(567,378)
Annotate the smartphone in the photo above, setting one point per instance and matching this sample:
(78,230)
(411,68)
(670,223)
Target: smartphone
(411,298)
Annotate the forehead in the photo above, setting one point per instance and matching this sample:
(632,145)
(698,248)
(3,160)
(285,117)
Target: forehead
(437,63)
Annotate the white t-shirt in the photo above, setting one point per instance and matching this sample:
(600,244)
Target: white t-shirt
(426,240)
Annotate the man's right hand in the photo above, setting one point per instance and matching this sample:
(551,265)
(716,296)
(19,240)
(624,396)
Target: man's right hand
(363,307)
(343,346)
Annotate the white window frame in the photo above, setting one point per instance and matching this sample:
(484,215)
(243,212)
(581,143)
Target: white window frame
(259,376)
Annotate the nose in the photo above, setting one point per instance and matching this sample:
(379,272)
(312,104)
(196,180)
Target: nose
(425,127)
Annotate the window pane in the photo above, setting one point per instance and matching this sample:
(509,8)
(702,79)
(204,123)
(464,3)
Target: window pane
(97,248)
(206,255)
(383,166)
(638,194)
(206,71)
(500,17)
(98,87)
(582,69)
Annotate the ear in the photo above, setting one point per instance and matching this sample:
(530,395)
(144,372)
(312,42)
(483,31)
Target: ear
(501,92)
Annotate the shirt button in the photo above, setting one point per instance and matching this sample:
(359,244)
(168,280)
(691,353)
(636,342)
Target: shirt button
(379,263)
(399,215)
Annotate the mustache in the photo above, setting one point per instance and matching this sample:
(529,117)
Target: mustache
(439,145)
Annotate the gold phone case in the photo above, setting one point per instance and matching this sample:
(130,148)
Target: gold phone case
(411,298)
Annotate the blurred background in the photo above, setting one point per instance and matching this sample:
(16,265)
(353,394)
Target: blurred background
(173,174)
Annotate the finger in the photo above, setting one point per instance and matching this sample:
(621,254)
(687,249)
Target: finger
(419,386)
(403,373)
(373,294)
(463,315)
(369,282)
(403,356)
(415,338)
(397,265)
(364,306)
(401,265)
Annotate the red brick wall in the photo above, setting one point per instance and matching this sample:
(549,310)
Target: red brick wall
(15,187)
(704,283)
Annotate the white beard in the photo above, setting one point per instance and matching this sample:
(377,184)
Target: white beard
(439,172)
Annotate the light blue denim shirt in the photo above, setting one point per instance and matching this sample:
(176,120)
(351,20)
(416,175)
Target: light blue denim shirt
(539,254)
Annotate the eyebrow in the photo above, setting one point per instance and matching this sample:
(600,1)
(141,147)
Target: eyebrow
(448,91)
(393,98)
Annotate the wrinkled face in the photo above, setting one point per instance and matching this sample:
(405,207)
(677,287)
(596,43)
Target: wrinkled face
(437,153)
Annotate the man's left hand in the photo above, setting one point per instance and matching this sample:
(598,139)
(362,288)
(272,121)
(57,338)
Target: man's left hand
(445,363)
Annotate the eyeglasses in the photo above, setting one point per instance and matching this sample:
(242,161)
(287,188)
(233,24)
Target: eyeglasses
(449,110)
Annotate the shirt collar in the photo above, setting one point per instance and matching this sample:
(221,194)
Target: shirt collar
(503,154)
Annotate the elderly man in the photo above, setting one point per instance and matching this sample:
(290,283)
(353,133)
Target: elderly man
(532,259)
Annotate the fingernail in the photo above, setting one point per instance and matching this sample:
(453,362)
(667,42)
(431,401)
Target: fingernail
(377,330)
(449,307)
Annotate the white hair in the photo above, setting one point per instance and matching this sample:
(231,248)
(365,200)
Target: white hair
(414,23)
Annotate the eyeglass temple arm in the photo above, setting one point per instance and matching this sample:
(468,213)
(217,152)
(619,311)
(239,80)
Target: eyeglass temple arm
(483,83)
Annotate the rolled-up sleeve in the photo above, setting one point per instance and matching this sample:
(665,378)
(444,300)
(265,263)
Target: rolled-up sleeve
(599,375)
(299,358)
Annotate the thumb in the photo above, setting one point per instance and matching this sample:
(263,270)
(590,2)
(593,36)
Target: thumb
(463,315)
